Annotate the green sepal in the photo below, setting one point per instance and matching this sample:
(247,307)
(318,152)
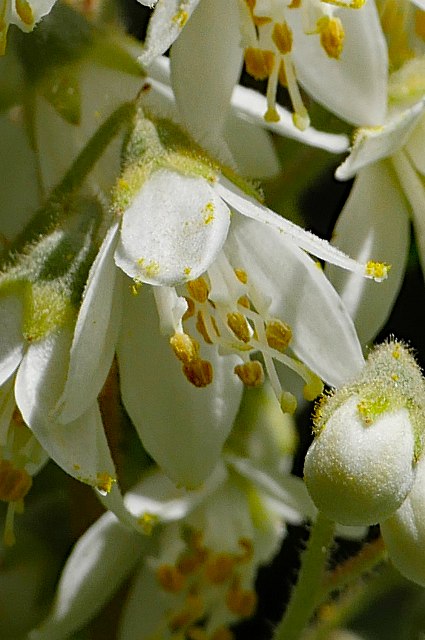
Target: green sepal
(50,274)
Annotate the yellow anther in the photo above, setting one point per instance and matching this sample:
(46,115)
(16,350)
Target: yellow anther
(377,270)
(192,611)
(259,63)
(295,4)
(104,482)
(185,348)
(190,311)
(147,522)
(247,550)
(278,334)
(196,633)
(14,483)
(283,80)
(241,275)
(241,602)
(250,373)
(199,373)
(198,289)
(201,328)
(219,568)
(223,633)
(313,388)
(332,36)
(282,37)
(135,287)
(190,562)
(288,402)
(24,11)
(271,115)
(239,325)
(244,302)
(170,578)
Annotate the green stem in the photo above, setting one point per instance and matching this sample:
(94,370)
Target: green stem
(304,596)
(50,213)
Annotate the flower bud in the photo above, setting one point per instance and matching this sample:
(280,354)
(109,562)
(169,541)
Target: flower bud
(361,465)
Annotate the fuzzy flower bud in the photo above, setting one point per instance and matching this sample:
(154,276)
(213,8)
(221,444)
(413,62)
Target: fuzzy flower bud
(361,465)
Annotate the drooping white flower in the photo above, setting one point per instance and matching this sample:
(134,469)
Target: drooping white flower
(23,13)
(322,45)
(224,288)
(388,191)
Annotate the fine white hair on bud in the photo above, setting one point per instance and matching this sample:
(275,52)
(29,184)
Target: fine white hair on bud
(369,435)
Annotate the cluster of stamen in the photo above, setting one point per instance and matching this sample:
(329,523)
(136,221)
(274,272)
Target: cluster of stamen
(401,28)
(203,581)
(268,41)
(239,324)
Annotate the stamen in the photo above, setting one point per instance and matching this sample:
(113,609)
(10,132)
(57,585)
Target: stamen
(170,578)
(282,37)
(250,373)
(201,328)
(14,483)
(190,311)
(278,334)
(185,348)
(259,63)
(218,569)
(241,275)
(377,270)
(198,289)
(240,327)
(332,36)
(24,11)
(241,602)
(199,372)
(288,403)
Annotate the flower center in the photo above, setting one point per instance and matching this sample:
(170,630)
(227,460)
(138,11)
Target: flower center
(225,309)
(203,581)
(268,41)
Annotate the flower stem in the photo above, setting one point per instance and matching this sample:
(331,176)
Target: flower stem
(304,596)
(55,208)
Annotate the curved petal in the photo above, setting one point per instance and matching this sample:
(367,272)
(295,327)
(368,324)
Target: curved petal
(251,105)
(181,426)
(95,334)
(11,341)
(342,86)
(377,211)
(415,146)
(165,26)
(79,447)
(252,149)
(376,143)
(206,61)
(173,229)
(323,333)
(99,562)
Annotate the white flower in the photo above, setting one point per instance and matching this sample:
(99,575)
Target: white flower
(241,285)
(196,571)
(325,47)
(24,13)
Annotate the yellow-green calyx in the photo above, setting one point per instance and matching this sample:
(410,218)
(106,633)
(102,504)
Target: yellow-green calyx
(158,143)
(391,380)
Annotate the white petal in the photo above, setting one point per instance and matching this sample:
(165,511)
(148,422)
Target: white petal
(11,339)
(7,407)
(95,334)
(374,224)
(323,333)
(39,8)
(252,149)
(173,229)
(79,447)
(419,3)
(376,143)
(165,26)
(181,426)
(251,105)
(251,208)
(146,608)
(99,562)
(414,189)
(342,85)
(206,61)
(404,532)
(415,146)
